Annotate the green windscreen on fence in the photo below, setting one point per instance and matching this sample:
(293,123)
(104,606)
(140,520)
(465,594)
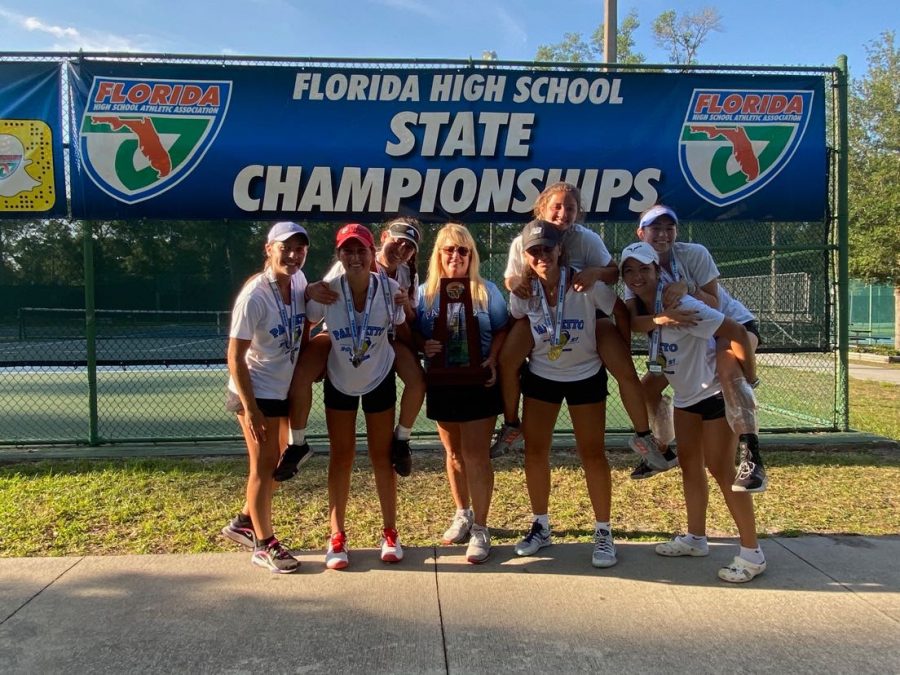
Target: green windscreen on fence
(161,372)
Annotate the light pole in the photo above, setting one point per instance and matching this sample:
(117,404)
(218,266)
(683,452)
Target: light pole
(610,22)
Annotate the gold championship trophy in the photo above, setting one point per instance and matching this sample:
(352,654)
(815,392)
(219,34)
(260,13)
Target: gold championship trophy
(456,327)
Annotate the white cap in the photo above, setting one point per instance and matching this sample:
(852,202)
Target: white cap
(284,231)
(654,213)
(640,251)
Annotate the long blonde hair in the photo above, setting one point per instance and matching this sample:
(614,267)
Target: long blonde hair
(455,234)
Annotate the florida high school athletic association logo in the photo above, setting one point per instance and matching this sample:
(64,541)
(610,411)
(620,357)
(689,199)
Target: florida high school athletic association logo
(734,142)
(141,137)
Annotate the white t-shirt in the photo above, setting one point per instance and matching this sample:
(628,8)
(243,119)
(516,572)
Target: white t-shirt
(696,265)
(578,358)
(256,316)
(378,356)
(690,353)
(584,248)
(402,276)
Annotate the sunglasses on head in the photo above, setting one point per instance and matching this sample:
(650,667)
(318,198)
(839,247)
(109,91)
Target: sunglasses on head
(462,250)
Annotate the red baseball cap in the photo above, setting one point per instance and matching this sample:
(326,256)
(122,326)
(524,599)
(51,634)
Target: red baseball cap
(355,231)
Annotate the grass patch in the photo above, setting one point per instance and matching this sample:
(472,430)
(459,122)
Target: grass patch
(83,507)
(875,407)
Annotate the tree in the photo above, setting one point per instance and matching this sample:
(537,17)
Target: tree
(683,36)
(573,48)
(874,166)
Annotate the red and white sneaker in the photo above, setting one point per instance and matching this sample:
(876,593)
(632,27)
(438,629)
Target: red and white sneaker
(391,551)
(336,557)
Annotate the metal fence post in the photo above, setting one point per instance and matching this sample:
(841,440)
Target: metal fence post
(843,224)
(90,328)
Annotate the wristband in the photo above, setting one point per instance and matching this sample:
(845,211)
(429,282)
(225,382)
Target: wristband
(691,287)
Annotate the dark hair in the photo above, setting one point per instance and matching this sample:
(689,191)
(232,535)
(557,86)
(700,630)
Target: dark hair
(412,263)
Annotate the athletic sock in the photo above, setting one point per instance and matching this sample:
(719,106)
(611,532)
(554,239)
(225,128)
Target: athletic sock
(753,555)
(543,519)
(244,519)
(695,541)
(402,433)
(600,525)
(297,436)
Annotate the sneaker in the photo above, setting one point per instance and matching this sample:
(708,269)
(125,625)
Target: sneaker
(479,545)
(536,539)
(648,448)
(336,556)
(751,475)
(240,532)
(604,554)
(459,529)
(508,436)
(644,470)
(391,551)
(401,457)
(679,547)
(275,557)
(293,457)
(741,571)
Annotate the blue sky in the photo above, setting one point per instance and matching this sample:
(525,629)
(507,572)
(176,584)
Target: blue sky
(775,32)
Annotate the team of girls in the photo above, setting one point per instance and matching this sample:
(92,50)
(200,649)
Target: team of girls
(376,319)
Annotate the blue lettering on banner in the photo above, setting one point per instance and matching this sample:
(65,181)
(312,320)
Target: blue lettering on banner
(473,143)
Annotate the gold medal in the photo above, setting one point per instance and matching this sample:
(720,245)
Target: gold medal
(555,352)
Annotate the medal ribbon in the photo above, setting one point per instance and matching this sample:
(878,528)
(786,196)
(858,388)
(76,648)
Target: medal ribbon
(357,333)
(560,302)
(388,300)
(656,335)
(287,321)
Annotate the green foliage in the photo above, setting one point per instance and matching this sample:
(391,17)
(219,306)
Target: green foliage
(574,49)
(875,166)
(682,36)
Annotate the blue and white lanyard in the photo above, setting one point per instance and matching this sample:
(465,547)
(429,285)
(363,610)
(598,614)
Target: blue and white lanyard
(538,289)
(656,335)
(292,332)
(357,333)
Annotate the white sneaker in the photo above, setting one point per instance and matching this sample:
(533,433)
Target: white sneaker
(459,528)
(336,557)
(741,571)
(391,551)
(679,547)
(479,545)
(536,539)
(604,554)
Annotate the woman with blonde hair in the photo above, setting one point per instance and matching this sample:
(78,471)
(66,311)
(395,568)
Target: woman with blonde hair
(465,414)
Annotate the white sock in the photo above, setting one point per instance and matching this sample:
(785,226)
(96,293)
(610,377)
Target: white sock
(600,525)
(463,513)
(297,436)
(543,519)
(694,540)
(753,555)
(402,433)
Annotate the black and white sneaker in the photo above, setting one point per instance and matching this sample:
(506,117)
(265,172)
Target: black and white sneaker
(644,470)
(293,457)
(401,457)
(751,475)
(240,531)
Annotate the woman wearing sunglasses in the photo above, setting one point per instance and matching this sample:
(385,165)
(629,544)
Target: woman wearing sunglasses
(396,260)
(465,414)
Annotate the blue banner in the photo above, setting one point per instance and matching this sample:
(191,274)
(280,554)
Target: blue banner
(476,144)
(32,178)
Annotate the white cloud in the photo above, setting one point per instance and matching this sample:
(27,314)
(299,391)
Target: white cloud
(69,38)
(514,29)
(414,6)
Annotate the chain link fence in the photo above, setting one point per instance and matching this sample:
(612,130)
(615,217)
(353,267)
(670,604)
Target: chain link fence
(162,325)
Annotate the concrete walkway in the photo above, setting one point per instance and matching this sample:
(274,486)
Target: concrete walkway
(826,605)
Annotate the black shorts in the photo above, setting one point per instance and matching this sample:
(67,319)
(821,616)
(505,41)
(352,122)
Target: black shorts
(591,389)
(752,326)
(462,404)
(381,398)
(711,408)
(270,407)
